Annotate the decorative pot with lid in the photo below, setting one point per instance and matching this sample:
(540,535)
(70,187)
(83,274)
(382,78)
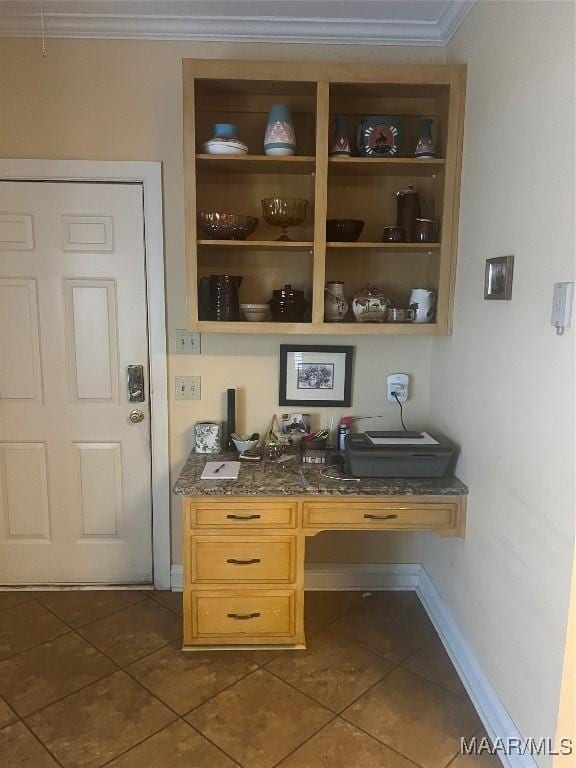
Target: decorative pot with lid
(370,304)
(288,305)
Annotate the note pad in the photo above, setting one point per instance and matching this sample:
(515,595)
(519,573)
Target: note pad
(220,470)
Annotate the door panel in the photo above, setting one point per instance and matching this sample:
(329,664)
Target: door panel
(75,489)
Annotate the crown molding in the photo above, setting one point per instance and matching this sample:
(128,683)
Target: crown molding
(14,23)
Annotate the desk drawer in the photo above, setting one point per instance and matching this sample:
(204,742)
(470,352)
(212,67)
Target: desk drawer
(243,559)
(375,515)
(240,515)
(243,616)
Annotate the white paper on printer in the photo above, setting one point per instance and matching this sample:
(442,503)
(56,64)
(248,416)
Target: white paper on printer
(426,439)
(220,470)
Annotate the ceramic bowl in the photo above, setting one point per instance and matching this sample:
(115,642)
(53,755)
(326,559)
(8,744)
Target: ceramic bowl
(343,230)
(244,445)
(255,313)
(394,315)
(223,146)
(226,226)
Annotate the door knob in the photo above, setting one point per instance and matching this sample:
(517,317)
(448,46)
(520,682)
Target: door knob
(136,416)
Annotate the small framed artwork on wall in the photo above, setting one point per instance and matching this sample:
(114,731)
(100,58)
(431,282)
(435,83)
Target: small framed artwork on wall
(498,278)
(315,375)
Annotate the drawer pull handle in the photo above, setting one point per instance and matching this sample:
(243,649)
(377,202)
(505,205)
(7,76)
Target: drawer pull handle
(243,517)
(380,517)
(233,561)
(243,616)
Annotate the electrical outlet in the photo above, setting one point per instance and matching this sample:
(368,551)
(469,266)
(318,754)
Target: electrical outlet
(187,388)
(186,343)
(397,387)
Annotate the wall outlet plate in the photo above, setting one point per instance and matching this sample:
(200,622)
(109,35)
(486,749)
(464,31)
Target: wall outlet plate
(186,342)
(187,387)
(397,387)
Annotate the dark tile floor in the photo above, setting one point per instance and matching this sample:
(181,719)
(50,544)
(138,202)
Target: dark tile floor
(91,679)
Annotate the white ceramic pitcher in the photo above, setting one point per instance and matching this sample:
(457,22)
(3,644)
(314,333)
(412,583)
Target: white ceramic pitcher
(423,302)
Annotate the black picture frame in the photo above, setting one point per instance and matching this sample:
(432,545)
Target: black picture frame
(498,278)
(327,385)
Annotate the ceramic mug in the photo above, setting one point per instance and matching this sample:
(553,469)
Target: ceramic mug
(394,235)
(426,231)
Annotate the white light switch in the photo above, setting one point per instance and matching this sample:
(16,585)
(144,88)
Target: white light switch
(562,306)
(186,343)
(187,388)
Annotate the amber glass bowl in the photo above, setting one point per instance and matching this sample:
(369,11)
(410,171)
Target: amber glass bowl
(226,226)
(284,212)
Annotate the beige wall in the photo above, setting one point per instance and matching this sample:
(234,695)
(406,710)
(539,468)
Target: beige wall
(503,384)
(121,100)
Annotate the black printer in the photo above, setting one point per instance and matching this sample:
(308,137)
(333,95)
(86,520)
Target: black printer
(397,454)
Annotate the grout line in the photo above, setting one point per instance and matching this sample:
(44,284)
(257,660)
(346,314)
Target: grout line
(222,691)
(32,647)
(44,746)
(137,744)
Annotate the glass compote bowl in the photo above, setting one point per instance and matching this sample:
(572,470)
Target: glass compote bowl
(284,212)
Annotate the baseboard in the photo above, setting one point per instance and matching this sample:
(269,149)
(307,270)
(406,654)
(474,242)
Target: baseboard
(412,576)
(495,718)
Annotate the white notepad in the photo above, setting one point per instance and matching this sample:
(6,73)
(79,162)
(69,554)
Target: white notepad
(396,441)
(220,470)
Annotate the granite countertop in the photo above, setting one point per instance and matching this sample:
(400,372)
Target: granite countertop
(269,478)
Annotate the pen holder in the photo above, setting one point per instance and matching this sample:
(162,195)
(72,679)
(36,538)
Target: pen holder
(206,437)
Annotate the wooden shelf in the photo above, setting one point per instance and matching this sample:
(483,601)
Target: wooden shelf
(336,187)
(340,329)
(292,164)
(258,245)
(390,166)
(385,246)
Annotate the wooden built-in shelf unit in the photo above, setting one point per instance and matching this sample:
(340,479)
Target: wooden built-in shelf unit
(241,92)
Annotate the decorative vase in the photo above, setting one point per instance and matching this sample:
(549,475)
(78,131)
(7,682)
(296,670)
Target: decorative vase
(279,139)
(370,304)
(224,141)
(341,144)
(335,304)
(407,210)
(425,146)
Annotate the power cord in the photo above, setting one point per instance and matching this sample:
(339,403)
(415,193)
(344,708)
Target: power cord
(395,396)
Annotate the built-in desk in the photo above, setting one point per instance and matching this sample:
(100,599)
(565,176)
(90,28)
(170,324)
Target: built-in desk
(245,540)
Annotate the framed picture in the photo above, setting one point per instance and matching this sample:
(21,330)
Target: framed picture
(311,375)
(498,277)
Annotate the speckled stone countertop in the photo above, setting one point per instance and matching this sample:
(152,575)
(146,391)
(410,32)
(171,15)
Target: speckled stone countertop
(269,478)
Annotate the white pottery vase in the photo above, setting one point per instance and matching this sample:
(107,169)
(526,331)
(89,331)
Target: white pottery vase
(423,302)
(335,304)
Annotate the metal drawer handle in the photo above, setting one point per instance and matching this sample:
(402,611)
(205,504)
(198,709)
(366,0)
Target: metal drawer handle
(233,561)
(243,517)
(243,616)
(380,517)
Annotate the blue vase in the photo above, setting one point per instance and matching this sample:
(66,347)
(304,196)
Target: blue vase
(425,147)
(341,144)
(279,139)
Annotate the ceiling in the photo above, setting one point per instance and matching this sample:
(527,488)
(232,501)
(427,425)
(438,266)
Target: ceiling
(379,22)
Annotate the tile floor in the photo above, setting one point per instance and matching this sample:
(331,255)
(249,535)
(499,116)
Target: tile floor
(91,679)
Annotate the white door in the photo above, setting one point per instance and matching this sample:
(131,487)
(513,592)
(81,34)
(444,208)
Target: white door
(75,495)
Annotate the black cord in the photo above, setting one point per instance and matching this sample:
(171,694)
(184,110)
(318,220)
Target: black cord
(395,396)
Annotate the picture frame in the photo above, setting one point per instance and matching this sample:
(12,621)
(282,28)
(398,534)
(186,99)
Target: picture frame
(498,278)
(314,375)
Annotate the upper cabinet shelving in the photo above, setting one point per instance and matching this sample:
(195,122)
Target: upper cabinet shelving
(356,187)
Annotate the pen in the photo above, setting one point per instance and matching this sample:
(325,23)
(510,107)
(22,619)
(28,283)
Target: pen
(219,468)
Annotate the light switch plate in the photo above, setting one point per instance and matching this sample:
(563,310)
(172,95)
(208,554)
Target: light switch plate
(187,387)
(562,306)
(186,342)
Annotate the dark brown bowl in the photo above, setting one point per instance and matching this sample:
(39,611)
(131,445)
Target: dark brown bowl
(343,230)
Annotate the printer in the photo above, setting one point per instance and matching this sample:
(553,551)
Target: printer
(397,454)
